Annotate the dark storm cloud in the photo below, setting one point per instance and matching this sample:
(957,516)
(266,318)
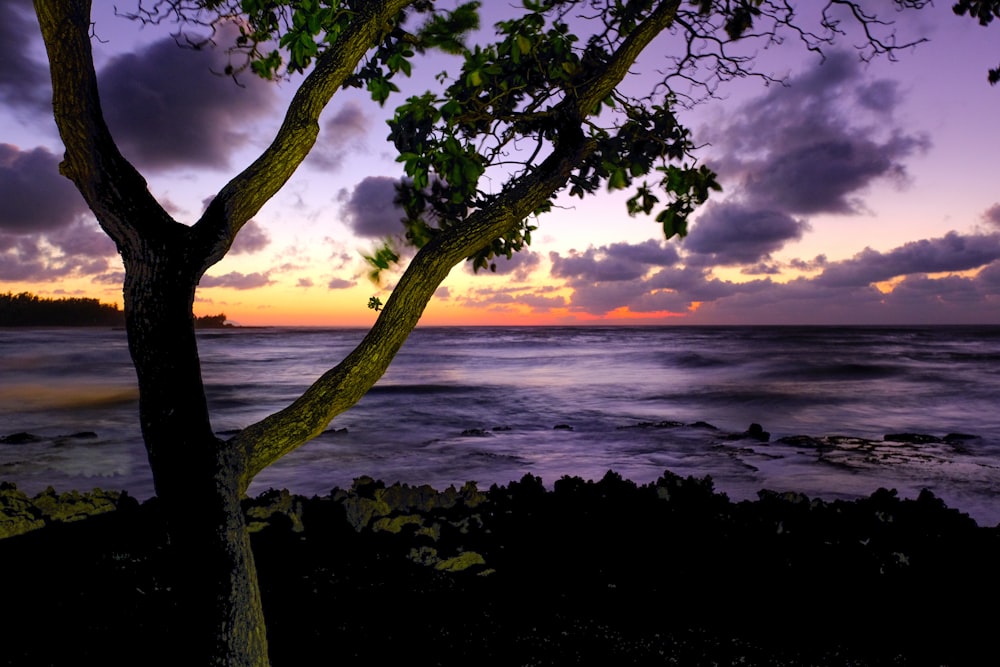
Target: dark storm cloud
(167,106)
(24,81)
(802,148)
(35,196)
(951,252)
(370,209)
(252,238)
(736,233)
(237,280)
(613,263)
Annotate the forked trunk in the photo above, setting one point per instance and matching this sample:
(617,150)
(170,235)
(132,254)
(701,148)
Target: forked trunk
(199,479)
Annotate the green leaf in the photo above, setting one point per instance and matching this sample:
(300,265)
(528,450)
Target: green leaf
(618,179)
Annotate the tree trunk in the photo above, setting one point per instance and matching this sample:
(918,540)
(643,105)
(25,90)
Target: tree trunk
(199,479)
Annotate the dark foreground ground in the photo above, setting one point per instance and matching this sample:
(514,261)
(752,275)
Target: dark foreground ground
(605,573)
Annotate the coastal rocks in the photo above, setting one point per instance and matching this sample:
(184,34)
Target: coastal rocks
(754,432)
(74,506)
(20,438)
(924,438)
(20,514)
(524,574)
(438,520)
(17,513)
(368,500)
(24,438)
(272,507)
(912,438)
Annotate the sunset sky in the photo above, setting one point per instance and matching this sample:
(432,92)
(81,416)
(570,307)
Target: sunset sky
(855,194)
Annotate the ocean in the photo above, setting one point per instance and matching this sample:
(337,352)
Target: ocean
(491,404)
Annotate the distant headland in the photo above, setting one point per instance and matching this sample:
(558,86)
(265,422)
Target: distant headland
(28,310)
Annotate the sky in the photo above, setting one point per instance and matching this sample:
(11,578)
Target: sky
(853,192)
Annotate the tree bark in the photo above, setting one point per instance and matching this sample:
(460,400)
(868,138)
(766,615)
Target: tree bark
(198,477)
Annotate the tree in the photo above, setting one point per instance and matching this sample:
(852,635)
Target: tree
(540,110)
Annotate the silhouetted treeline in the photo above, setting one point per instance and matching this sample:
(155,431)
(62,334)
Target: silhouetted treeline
(28,310)
(211,321)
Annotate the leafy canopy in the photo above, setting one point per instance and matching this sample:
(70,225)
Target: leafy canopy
(507,107)
(511,102)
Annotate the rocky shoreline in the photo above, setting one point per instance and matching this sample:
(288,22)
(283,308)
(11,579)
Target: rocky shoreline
(669,572)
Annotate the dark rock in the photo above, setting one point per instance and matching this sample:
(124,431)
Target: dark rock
(75,506)
(476,433)
(20,438)
(803,441)
(273,507)
(662,424)
(531,576)
(562,427)
(755,432)
(705,425)
(960,437)
(17,513)
(911,438)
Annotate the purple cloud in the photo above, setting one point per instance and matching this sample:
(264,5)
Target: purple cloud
(252,238)
(340,283)
(844,293)
(370,209)
(992,215)
(168,106)
(518,268)
(236,280)
(24,82)
(342,135)
(613,263)
(735,233)
(35,196)
(951,252)
(82,250)
(802,148)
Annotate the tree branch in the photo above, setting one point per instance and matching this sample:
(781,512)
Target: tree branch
(245,194)
(345,384)
(112,187)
